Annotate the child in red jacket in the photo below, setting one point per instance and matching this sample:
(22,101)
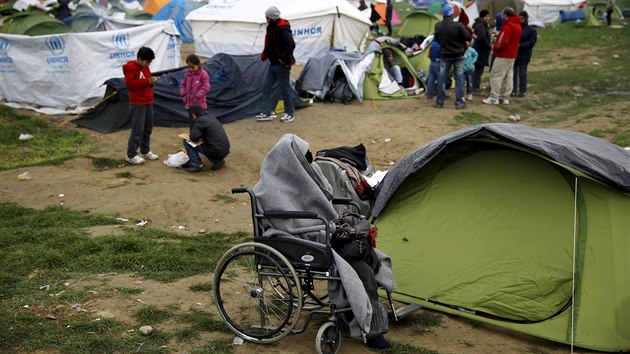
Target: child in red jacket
(140,83)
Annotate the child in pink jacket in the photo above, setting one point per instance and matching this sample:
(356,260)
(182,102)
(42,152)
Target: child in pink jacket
(195,85)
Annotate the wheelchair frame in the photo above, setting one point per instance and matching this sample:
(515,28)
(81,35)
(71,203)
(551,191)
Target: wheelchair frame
(262,287)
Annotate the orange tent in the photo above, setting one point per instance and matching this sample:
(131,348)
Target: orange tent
(381,9)
(153,6)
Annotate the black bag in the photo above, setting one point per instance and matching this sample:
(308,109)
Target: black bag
(340,90)
(351,239)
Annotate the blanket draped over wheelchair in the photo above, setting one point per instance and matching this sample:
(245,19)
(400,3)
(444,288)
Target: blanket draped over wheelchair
(289,182)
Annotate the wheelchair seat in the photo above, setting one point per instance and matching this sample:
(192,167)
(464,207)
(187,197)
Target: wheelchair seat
(301,253)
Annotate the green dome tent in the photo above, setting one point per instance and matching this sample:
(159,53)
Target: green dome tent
(32,23)
(418,23)
(524,228)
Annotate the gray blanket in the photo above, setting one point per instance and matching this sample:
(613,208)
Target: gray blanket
(288,182)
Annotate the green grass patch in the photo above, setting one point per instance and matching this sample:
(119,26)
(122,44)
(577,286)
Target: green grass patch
(127,175)
(129,291)
(223,198)
(203,321)
(48,145)
(400,348)
(201,287)
(104,163)
(421,318)
(472,118)
(217,346)
(41,249)
(149,315)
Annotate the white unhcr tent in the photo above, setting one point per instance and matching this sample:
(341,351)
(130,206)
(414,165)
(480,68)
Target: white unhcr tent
(545,12)
(238,26)
(64,73)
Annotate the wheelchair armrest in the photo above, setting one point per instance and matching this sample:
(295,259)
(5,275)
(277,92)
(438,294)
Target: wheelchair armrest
(347,201)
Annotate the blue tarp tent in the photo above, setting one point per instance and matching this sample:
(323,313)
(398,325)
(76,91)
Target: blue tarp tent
(177,11)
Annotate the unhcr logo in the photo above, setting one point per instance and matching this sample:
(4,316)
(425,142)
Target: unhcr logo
(121,40)
(310,31)
(56,45)
(5,46)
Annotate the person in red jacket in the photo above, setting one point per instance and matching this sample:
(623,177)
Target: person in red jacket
(140,83)
(505,51)
(279,47)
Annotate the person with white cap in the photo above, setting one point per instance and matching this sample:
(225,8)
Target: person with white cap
(279,46)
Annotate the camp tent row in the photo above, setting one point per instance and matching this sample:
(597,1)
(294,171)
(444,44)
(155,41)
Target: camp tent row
(364,73)
(523,228)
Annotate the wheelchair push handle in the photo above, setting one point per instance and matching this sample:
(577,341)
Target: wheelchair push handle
(290,214)
(239,190)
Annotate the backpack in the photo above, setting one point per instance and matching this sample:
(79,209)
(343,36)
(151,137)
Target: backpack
(339,89)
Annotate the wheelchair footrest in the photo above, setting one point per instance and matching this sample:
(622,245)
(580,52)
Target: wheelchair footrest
(407,310)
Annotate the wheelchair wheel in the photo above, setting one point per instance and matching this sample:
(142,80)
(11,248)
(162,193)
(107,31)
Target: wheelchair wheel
(257,292)
(328,338)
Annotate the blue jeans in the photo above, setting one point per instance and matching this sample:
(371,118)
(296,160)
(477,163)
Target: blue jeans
(193,154)
(520,78)
(432,81)
(445,69)
(278,73)
(468,82)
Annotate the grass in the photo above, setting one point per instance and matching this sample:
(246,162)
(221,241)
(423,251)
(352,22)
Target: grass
(201,287)
(41,249)
(595,74)
(150,315)
(104,163)
(48,145)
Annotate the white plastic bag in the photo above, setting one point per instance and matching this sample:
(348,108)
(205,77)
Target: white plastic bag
(177,159)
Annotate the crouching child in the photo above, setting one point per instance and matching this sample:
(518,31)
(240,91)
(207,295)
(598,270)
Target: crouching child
(207,137)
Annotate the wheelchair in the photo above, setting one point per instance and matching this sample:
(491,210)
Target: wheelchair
(262,288)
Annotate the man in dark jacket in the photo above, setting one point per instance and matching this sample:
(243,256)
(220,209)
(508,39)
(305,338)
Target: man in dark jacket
(207,137)
(279,46)
(452,37)
(482,44)
(529,36)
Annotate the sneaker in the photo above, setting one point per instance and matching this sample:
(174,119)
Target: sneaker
(217,165)
(504,101)
(263,117)
(469,97)
(378,342)
(194,168)
(439,105)
(460,105)
(287,118)
(136,160)
(522,94)
(150,156)
(513,94)
(490,100)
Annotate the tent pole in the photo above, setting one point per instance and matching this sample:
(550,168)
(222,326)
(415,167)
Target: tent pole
(575,188)
(87,109)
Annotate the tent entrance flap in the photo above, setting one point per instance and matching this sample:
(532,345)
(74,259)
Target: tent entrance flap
(508,255)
